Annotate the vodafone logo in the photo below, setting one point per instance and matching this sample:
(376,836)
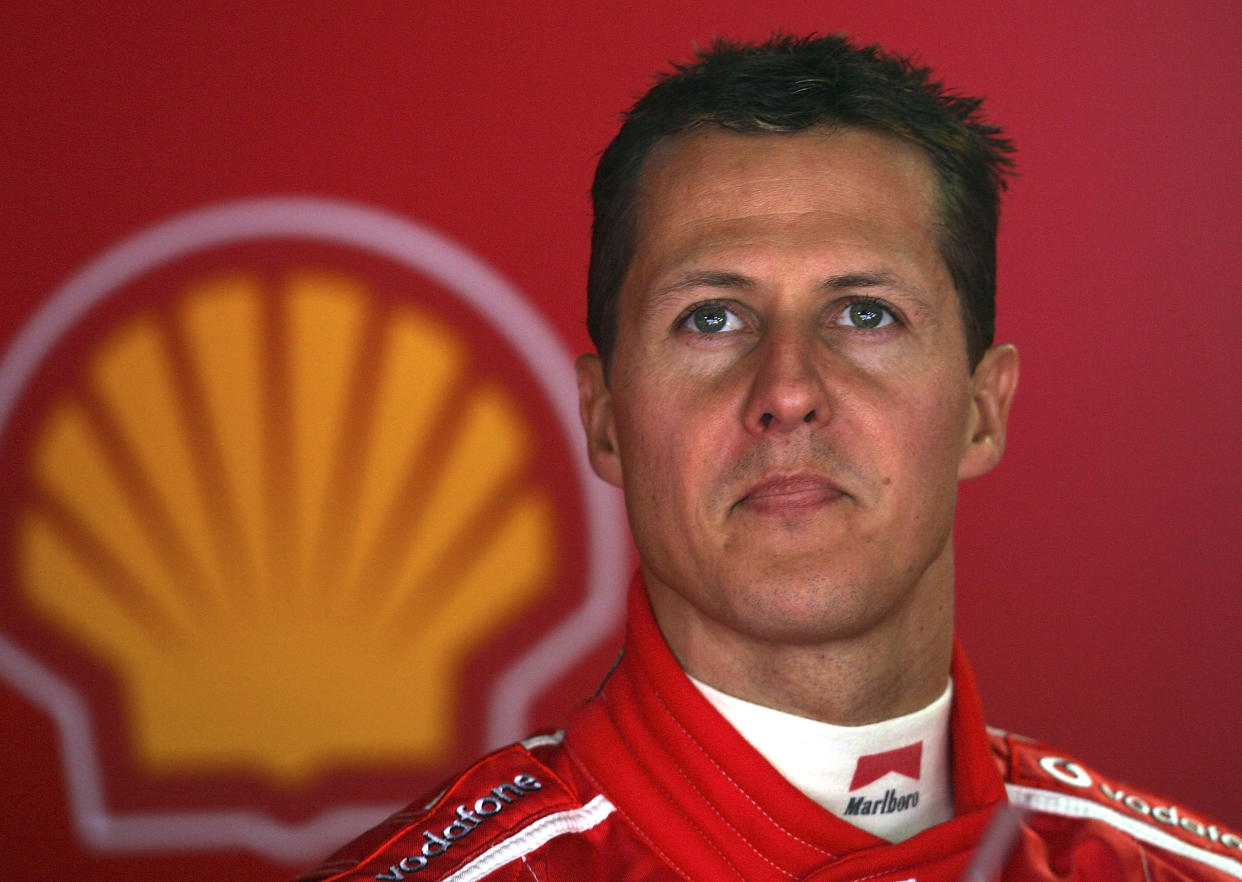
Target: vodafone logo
(1071,773)
(276,492)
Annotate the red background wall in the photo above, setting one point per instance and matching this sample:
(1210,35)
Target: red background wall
(1098,568)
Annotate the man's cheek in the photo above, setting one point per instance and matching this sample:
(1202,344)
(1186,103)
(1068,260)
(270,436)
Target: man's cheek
(934,428)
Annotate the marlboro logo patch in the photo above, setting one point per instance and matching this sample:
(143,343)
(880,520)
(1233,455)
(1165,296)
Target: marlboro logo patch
(874,766)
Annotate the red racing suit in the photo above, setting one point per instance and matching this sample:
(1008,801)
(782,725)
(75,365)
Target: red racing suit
(649,782)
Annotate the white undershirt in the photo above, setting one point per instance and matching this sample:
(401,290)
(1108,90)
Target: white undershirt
(902,786)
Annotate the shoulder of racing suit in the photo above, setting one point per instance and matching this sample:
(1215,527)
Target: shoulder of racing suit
(505,806)
(1062,799)
(503,811)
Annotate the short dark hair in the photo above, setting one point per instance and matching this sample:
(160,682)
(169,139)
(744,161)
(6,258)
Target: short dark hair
(791,84)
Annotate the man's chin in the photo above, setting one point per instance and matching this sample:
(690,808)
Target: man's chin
(802,604)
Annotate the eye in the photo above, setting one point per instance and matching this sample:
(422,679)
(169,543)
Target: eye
(866,315)
(711,318)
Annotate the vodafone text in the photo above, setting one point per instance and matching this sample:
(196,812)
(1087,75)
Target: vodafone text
(1075,775)
(493,803)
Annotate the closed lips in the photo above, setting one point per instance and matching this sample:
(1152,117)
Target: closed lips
(792,492)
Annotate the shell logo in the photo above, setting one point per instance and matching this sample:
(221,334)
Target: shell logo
(279,487)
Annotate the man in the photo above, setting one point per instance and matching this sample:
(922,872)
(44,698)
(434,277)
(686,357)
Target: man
(791,293)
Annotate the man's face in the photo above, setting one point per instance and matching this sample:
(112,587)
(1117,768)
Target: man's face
(789,407)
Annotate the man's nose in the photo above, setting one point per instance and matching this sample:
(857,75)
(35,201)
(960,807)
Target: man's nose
(787,386)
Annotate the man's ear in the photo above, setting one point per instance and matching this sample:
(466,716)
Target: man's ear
(598,420)
(992,389)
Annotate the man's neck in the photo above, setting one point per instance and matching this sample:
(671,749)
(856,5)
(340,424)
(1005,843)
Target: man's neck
(895,667)
(849,769)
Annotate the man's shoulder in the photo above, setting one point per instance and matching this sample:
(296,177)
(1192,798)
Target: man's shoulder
(1065,799)
(506,805)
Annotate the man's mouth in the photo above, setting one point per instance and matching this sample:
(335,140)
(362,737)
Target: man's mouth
(790,495)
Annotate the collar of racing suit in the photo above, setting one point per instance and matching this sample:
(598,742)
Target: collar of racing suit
(706,799)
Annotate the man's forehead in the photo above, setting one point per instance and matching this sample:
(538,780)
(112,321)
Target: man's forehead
(674,165)
(728,193)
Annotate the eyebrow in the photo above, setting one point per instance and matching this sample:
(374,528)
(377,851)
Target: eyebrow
(706,279)
(916,298)
(731,280)
(860,280)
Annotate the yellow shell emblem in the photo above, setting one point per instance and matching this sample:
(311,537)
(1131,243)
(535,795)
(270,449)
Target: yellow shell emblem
(284,519)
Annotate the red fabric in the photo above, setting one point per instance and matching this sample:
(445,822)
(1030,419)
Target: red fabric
(906,761)
(681,795)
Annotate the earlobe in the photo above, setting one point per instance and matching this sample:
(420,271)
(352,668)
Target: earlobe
(992,389)
(598,420)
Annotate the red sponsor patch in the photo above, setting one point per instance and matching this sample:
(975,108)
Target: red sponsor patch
(906,761)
